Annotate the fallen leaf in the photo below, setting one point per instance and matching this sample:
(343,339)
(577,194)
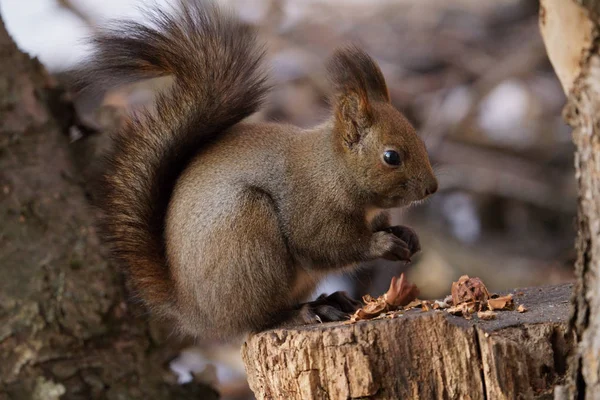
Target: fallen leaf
(464,309)
(400,292)
(455,310)
(501,303)
(370,310)
(470,307)
(426,306)
(367,298)
(521,308)
(413,304)
(486,315)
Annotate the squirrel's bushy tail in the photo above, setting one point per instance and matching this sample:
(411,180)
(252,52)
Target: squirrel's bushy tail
(216,65)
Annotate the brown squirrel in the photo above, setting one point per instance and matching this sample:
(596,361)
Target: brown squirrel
(227,226)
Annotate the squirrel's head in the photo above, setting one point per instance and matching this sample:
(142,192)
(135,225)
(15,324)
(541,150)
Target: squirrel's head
(380,148)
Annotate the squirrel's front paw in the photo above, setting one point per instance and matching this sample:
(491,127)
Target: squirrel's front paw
(408,235)
(386,245)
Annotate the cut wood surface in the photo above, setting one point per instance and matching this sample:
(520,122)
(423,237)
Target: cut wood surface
(420,355)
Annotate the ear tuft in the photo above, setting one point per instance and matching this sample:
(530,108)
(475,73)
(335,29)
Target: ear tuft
(350,68)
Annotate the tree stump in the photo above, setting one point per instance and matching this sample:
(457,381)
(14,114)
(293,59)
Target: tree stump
(424,355)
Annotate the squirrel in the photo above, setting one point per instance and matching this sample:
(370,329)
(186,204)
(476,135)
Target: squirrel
(224,225)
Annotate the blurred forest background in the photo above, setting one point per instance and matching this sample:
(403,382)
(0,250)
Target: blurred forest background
(473,77)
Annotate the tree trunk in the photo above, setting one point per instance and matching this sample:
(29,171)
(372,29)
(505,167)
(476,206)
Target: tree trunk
(419,355)
(66,330)
(571,33)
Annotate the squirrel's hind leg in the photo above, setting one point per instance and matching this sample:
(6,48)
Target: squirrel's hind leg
(262,256)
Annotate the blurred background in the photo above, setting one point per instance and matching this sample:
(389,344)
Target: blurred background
(471,75)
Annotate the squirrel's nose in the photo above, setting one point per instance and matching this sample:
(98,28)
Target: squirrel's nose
(431,188)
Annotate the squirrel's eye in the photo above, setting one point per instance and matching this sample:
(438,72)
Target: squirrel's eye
(392,157)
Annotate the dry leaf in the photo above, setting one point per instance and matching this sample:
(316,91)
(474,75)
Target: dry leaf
(469,308)
(521,308)
(464,309)
(456,310)
(425,306)
(413,304)
(367,298)
(501,303)
(370,310)
(375,308)
(400,292)
(486,315)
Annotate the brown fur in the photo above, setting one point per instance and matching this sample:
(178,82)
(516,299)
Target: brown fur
(218,81)
(226,225)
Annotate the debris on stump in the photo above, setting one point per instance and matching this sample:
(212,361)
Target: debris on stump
(467,290)
(468,296)
(400,294)
(501,303)
(521,308)
(486,315)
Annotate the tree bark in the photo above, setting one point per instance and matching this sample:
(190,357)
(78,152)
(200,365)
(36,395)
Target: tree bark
(66,330)
(419,355)
(571,33)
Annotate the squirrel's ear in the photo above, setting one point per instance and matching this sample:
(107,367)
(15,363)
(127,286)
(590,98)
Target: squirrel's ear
(353,115)
(357,81)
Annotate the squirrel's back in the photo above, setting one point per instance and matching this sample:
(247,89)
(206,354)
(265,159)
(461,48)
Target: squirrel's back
(216,65)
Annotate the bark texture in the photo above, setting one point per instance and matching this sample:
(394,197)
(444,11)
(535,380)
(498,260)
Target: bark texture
(66,331)
(571,33)
(419,355)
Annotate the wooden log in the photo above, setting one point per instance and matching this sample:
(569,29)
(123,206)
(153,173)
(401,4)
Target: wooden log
(420,355)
